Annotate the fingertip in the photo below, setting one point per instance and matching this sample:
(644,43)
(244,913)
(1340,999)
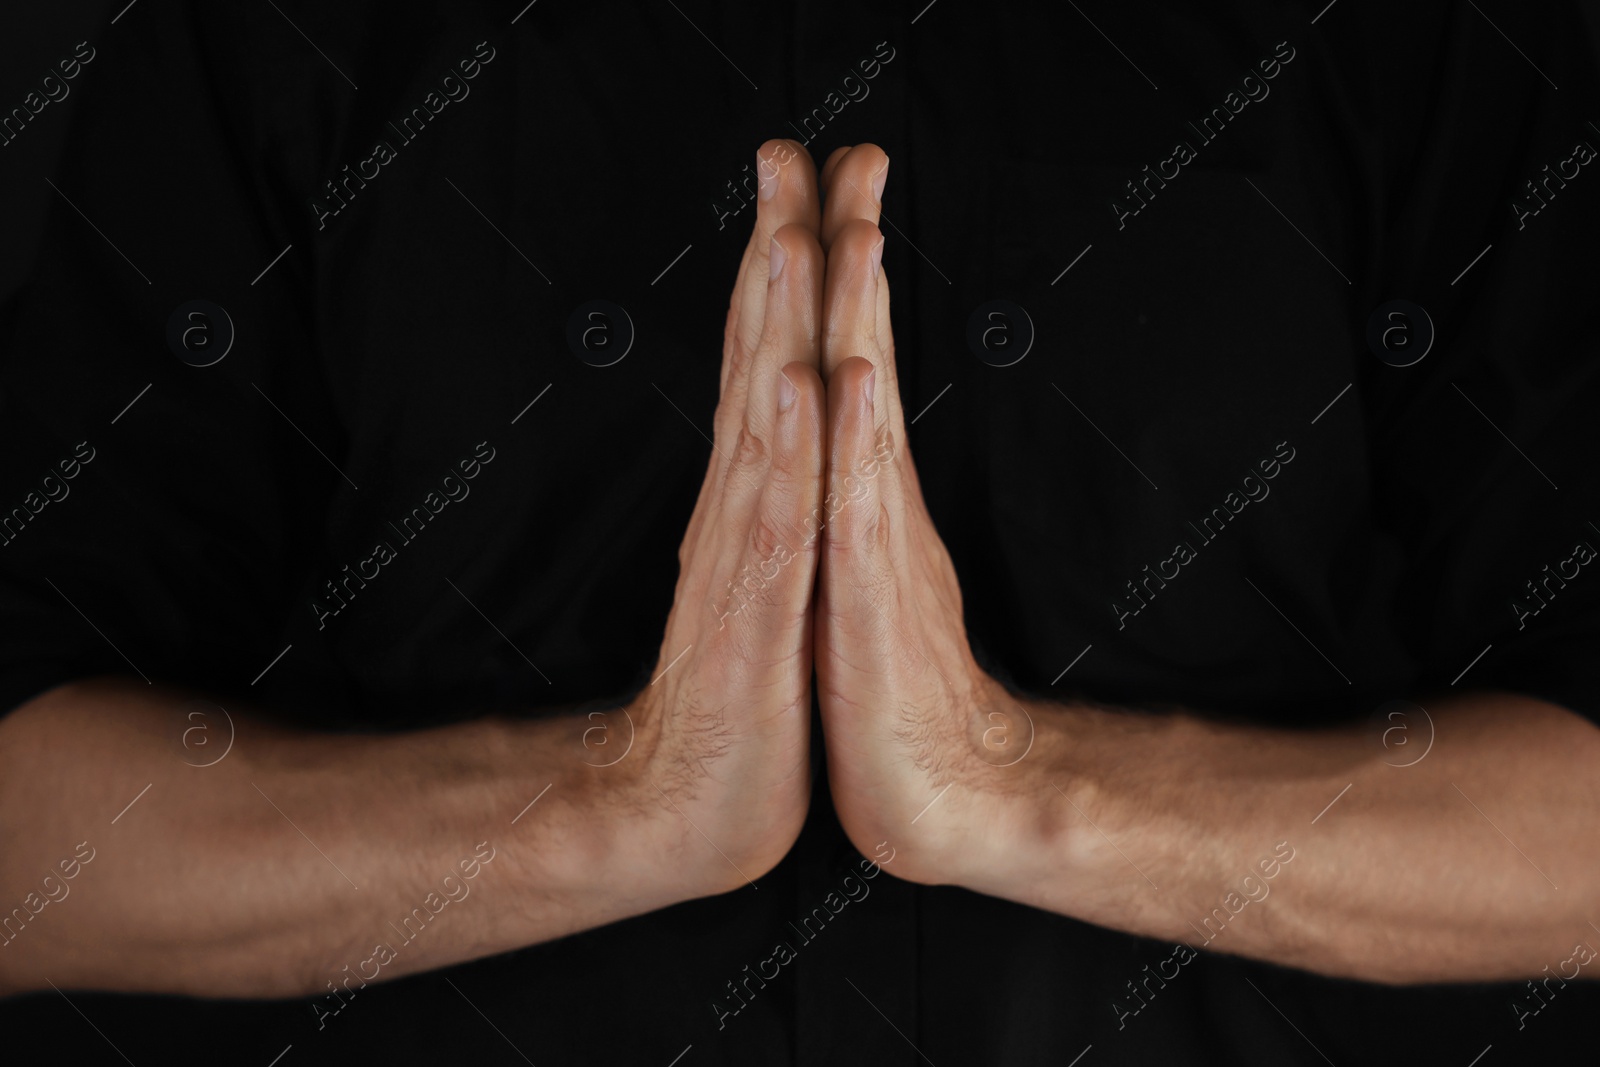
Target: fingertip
(803,376)
(850,399)
(871,162)
(773,154)
(799,247)
(833,161)
(801,394)
(853,189)
(785,167)
(857,254)
(853,376)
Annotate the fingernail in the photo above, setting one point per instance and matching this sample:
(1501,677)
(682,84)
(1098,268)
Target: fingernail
(776,257)
(879,180)
(766,176)
(787,393)
(876,256)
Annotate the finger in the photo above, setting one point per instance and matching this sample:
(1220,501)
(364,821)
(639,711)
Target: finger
(788,196)
(853,190)
(850,308)
(775,562)
(833,161)
(787,192)
(792,332)
(730,328)
(893,441)
(791,335)
(855,533)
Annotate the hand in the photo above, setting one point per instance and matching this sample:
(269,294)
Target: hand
(920,739)
(724,726)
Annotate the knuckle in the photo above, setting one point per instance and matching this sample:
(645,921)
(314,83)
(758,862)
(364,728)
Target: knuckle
(725,421)
(849,335)
(757,586)
(770,540)
(748,450)
(730,336)
(791,480)
(738,348)
(853,529)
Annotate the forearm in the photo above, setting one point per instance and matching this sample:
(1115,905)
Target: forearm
(1245,840)
(281,867)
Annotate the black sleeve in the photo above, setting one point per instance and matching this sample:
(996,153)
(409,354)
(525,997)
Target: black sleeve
(152,509)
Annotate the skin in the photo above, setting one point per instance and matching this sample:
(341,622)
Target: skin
(206,886)
(810,546)
(1146,822)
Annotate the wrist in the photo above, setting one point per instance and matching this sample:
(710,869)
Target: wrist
(579,828)
(1099,821)
(1028,798)
(980,816)
(701,819)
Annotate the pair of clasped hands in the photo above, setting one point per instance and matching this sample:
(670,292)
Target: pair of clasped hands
(810,547)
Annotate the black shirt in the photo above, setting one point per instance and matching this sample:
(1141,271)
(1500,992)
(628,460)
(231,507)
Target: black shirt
(1204,483)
